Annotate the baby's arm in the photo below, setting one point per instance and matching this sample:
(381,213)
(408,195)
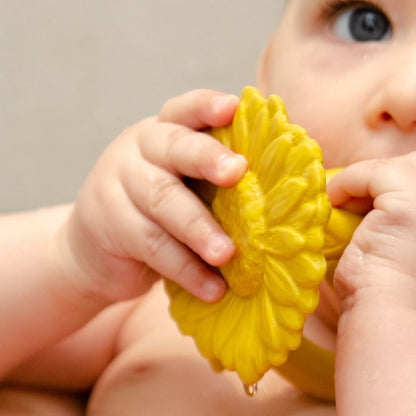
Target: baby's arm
(376,280)
(133,221)
(39,304)
(75,363)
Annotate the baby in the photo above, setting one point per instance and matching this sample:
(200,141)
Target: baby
(83,313)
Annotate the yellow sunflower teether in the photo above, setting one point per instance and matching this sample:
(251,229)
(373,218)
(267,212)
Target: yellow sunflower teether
(276,216)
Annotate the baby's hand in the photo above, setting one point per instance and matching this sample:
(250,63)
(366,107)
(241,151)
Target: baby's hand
(376,281)
(135,220)
(386,239)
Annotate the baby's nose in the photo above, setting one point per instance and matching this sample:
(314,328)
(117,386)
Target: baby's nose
(394,101)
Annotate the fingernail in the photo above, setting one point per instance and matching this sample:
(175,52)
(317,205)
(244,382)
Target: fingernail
(227,164)
(213,289)
(217,243)
(220,102)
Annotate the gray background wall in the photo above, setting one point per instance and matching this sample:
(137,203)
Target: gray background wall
(74,73)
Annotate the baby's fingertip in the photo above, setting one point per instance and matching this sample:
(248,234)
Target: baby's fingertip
(222,109)
(214,289)
(334,190)
(221,102)
(220,249)
(230,168)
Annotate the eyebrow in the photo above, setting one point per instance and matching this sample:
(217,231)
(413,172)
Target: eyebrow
(331,7)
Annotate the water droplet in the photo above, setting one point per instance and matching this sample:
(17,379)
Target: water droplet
(251,389)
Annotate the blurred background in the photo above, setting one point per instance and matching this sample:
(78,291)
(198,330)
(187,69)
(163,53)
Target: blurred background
(75,73)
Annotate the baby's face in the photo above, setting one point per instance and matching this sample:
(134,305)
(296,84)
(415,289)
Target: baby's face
(347,73)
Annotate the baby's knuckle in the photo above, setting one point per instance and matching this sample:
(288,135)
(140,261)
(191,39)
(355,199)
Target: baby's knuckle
(398,211)
(162,191)
(168,103)
(136,132)
(131,132)
(128,132)
(154,239)
(174,135)
(196,224)
(186,270)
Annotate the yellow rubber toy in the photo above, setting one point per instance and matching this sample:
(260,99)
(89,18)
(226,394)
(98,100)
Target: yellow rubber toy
(277,217)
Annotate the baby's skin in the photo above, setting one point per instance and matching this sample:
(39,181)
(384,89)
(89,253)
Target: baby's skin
(80,304)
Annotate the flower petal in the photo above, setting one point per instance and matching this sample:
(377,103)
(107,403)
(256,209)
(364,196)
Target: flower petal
(229,319)
(279,282)
(284,241)
(308,269)
(270,165)
(284,198)
(260,138)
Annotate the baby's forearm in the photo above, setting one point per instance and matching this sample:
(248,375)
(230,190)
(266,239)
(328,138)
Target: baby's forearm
(376,364)
(41,301)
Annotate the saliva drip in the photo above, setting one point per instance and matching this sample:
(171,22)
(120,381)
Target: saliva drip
(250,389)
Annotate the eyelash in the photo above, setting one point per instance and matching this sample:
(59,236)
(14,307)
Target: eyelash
(333,7)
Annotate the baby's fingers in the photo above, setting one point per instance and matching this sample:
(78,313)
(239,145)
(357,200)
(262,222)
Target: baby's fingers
(185,152)
(199,109)
(357,186)
(147,242)
(171,259)
(165,200)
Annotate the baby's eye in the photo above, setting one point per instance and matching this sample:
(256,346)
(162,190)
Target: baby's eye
(362,24)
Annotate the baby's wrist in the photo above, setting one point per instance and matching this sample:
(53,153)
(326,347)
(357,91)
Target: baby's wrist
(68,253)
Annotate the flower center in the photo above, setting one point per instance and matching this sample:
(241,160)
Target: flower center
(240,211)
